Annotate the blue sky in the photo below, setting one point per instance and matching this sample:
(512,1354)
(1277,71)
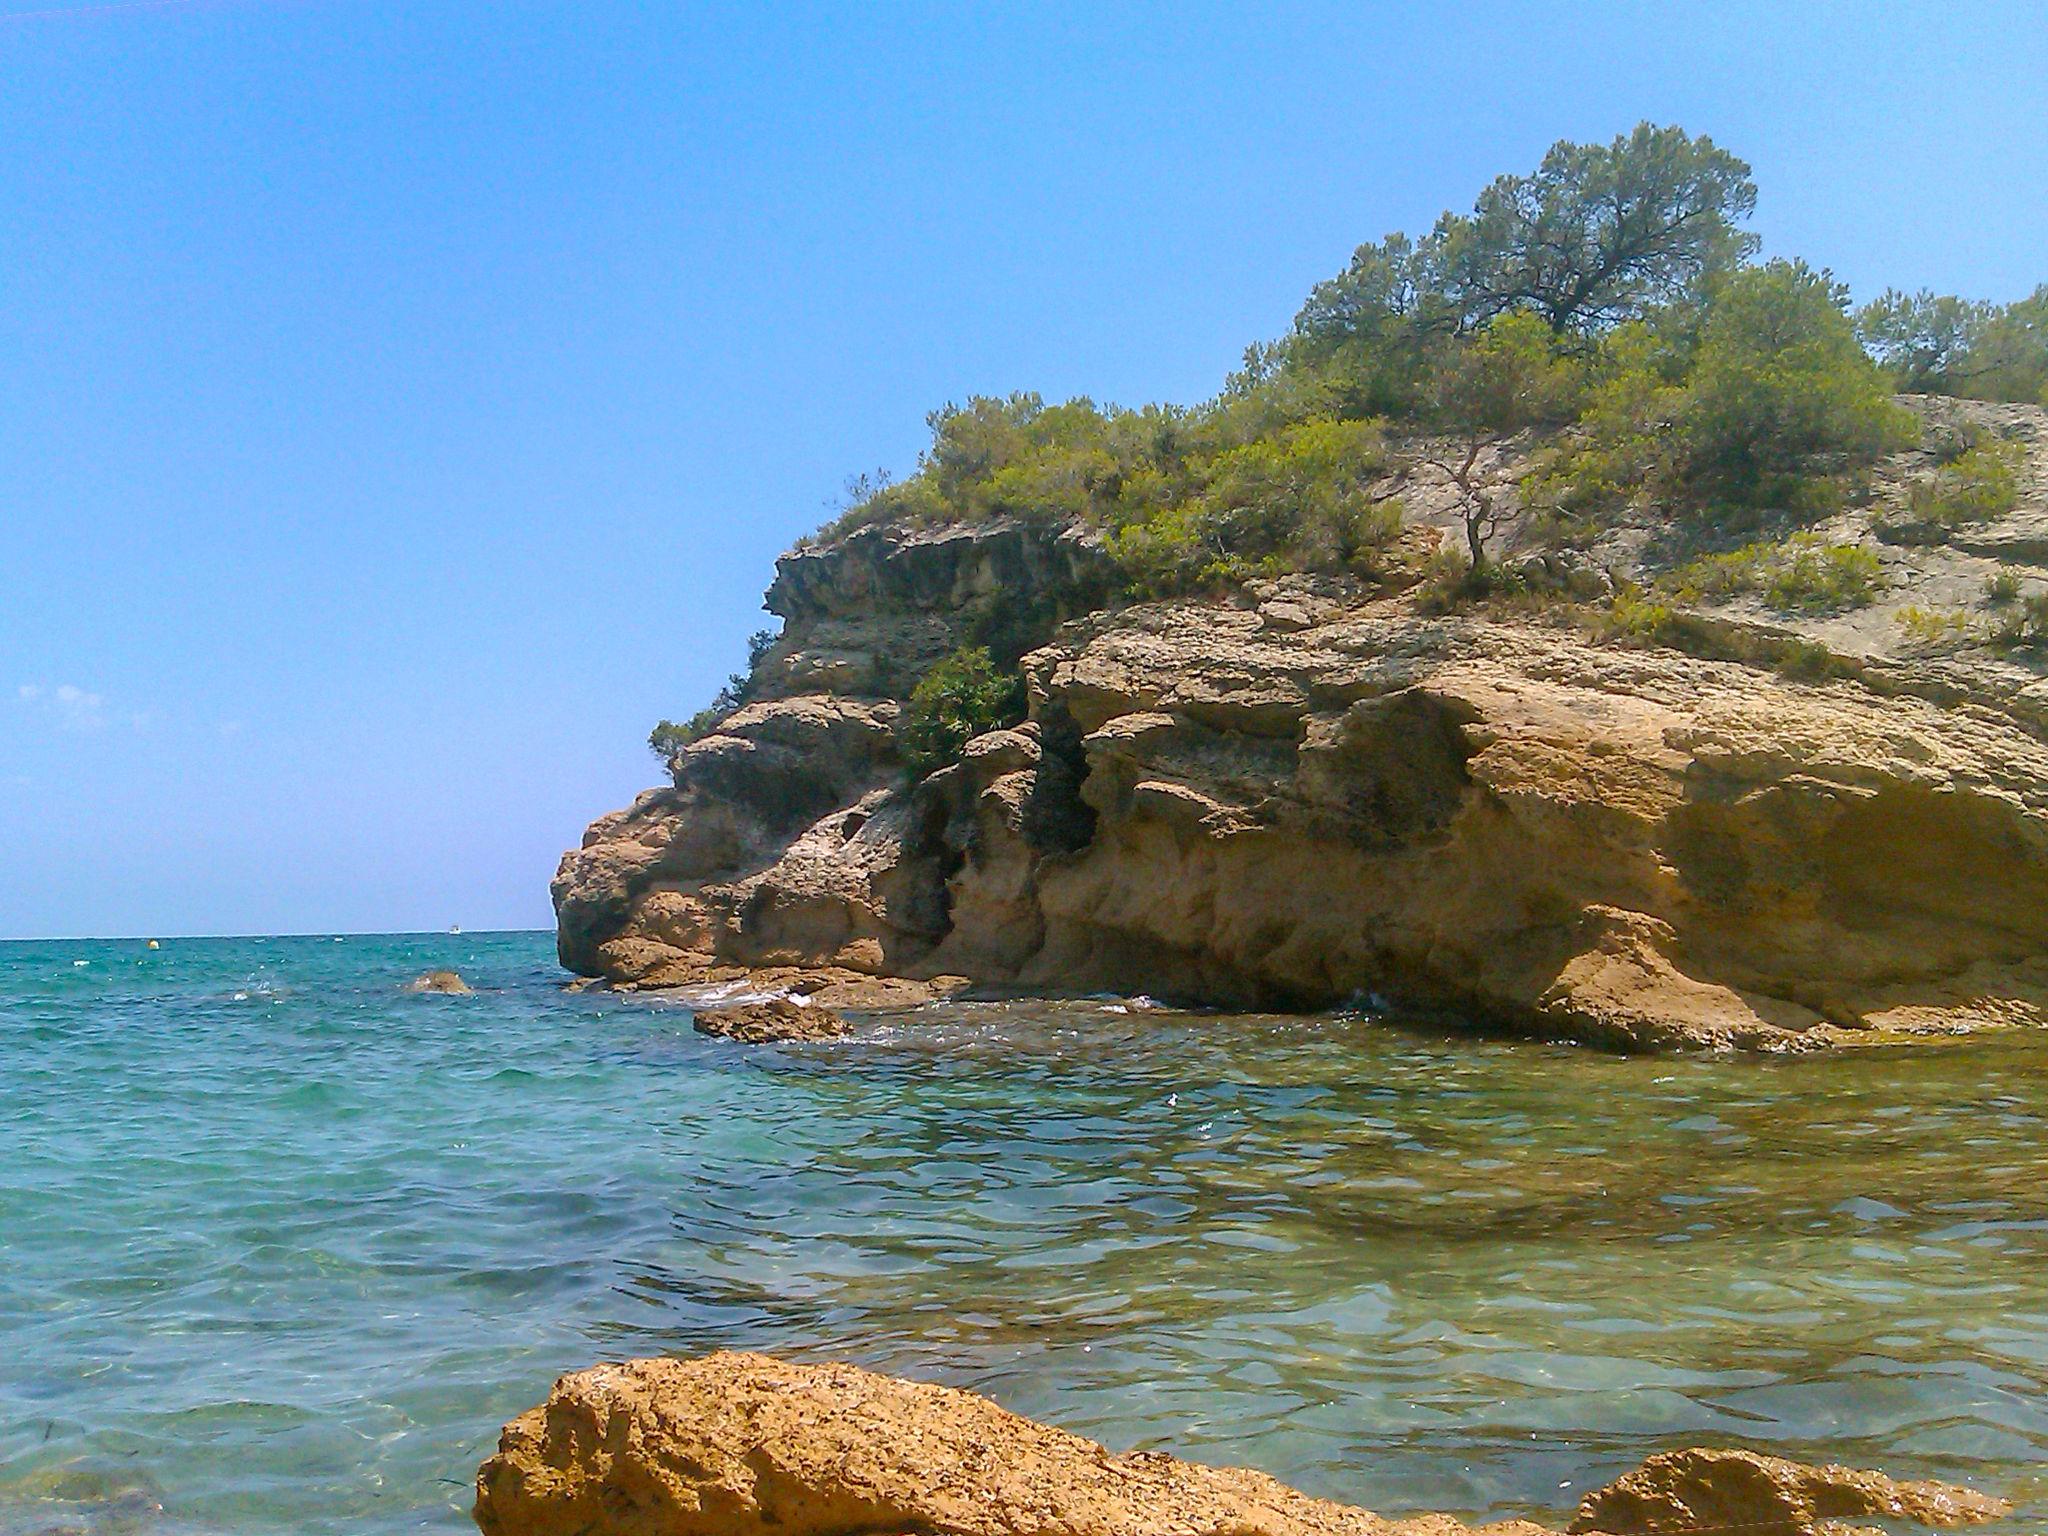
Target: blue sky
(404,403)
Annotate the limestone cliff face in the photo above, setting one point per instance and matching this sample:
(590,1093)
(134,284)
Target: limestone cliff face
(1317,792)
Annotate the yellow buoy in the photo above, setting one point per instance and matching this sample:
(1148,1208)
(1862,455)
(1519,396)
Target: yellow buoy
(153,944)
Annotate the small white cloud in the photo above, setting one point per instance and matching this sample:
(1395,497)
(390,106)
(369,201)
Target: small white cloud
(72,707)
(79,710)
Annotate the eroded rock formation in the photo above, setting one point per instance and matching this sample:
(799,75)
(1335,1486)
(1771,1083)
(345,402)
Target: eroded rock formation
(1681,1493)
(778,1019)
(1318,790)
(736,1444)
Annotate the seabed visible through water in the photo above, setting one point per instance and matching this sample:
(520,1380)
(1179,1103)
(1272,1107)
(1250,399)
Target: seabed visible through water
(281,1245)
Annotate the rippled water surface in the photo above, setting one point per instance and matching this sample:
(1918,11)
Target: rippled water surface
(281,1245)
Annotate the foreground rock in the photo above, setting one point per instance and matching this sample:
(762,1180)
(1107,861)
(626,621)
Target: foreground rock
(744,1445)
(736,1444)
(444,983)
(1787,832)
(779,1019)
(1700,1491)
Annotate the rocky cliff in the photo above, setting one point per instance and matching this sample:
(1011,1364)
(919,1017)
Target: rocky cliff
(1741,827)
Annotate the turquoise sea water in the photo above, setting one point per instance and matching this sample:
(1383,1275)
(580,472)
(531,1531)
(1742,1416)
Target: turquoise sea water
(282,1245)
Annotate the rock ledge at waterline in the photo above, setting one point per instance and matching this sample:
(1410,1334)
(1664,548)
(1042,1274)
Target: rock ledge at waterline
(745,1445)
(1316,789)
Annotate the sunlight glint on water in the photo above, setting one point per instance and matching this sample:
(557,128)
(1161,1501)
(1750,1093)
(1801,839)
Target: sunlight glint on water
(281,1245)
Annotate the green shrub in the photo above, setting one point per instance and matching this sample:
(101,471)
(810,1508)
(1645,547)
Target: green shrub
(962,697)
(1825,576)
(1781,395)
(670,738)
(1980,484)
(1632,617)
(1756,397)
(2003,587)
(1801,573)
(1513,372)
(1933,626)
(1621,449)
(1808,661)
(2025,629)
(1300,499)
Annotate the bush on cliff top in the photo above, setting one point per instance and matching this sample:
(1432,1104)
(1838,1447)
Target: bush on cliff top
(961,698)
(1939,344)
(1605,296)
(1302,498)
(1758,397)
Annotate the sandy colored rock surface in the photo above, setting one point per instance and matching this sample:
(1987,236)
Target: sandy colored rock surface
(445,983)
(1701,1491)
(734,1444)
(1317,791)
(782,1018)
(746,1445)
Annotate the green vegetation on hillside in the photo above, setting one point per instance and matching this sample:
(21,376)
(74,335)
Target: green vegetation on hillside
(1604,315)
(1980,484)
(1606,299)
(1799,574)
(1754,396)
(1939,344)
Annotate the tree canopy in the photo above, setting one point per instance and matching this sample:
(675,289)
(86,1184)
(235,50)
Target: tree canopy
(1939,344)
(1600,233)
(1597,235)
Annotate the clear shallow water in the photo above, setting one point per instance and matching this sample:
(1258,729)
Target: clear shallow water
(281,1246)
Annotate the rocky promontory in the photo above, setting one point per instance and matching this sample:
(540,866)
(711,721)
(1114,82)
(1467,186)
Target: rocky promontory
(1738,825)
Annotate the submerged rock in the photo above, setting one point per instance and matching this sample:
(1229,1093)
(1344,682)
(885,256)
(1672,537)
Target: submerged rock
(447,983)
(781,1018)
(83,1499)
(1696,1491)
(746,1445)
